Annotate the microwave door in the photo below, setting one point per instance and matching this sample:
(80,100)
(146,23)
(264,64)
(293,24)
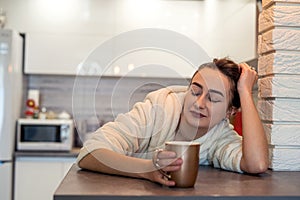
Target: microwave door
(40,133)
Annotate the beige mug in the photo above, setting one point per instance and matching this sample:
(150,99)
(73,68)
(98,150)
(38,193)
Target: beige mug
(189,153)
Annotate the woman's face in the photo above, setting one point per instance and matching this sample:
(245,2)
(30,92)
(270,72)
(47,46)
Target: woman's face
(207,100)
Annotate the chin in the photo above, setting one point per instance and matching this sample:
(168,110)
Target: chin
(197,123)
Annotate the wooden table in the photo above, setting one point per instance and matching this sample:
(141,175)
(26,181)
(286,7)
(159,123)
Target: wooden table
(211,184)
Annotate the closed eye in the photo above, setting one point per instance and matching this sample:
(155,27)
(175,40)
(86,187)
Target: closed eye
(213,100)
(215,97)
(196,91)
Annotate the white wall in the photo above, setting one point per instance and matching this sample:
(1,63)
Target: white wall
(221,28)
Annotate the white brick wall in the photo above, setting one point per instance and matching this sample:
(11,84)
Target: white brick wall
(279,86)
(285,158)
(279,38)
(279,63)
(279,110)
(283,134)
(279,82)
(279,15)
(266,3)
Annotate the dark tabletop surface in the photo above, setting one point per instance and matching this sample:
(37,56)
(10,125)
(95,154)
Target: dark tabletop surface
(211,184)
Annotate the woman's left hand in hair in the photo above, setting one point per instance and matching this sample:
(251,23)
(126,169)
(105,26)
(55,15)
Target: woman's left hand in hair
(247,78)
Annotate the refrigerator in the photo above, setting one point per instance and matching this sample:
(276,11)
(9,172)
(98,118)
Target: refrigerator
(11,59)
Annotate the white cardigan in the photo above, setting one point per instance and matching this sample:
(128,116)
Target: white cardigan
(151,123)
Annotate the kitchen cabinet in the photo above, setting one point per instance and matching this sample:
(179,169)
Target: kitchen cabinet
(48,53)
(70,55)
(37,178)
(59,39)
(6,180)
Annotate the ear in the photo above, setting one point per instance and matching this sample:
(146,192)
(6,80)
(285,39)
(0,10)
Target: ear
(231,111)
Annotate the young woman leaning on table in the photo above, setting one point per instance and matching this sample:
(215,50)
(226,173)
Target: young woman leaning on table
(199,112)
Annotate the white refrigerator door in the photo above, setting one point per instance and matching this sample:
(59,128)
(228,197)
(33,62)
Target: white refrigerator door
(6,181)
(10,90)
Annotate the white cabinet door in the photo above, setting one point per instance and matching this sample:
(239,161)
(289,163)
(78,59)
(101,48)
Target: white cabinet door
(38,177)
(48,53)
(5,181)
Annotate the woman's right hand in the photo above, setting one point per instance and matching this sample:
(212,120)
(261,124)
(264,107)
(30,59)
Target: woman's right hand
(164,162)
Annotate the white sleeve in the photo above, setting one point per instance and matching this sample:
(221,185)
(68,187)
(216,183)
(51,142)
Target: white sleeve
(125,134)
(226,152)
(130,134)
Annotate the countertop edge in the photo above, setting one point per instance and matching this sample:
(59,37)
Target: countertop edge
(73,153)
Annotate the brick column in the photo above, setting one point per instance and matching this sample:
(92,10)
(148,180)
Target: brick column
(279,82)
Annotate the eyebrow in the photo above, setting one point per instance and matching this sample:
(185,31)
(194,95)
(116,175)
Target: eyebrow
(210,90)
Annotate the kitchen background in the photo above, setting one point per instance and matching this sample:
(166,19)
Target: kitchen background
(60,34)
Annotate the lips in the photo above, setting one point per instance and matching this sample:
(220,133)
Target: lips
(197,115)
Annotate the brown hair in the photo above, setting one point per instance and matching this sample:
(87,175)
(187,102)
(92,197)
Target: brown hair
(232,71)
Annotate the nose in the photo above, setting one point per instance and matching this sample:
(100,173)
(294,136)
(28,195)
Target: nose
(201,102)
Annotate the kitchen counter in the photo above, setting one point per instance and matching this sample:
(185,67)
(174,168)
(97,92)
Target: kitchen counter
(73,153)
(211,184)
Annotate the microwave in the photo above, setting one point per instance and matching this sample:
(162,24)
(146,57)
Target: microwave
(44,135)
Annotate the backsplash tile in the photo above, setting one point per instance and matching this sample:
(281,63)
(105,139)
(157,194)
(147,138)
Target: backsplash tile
(87,96)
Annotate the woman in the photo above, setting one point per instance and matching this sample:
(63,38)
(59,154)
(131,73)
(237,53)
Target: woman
(197,113)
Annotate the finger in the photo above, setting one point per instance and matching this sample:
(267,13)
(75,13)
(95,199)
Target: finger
(166,154)
(171,168)
(247,67)
(248,70)
(243,65)
(170,162)
(159,178)
(168,182)
(165,181)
